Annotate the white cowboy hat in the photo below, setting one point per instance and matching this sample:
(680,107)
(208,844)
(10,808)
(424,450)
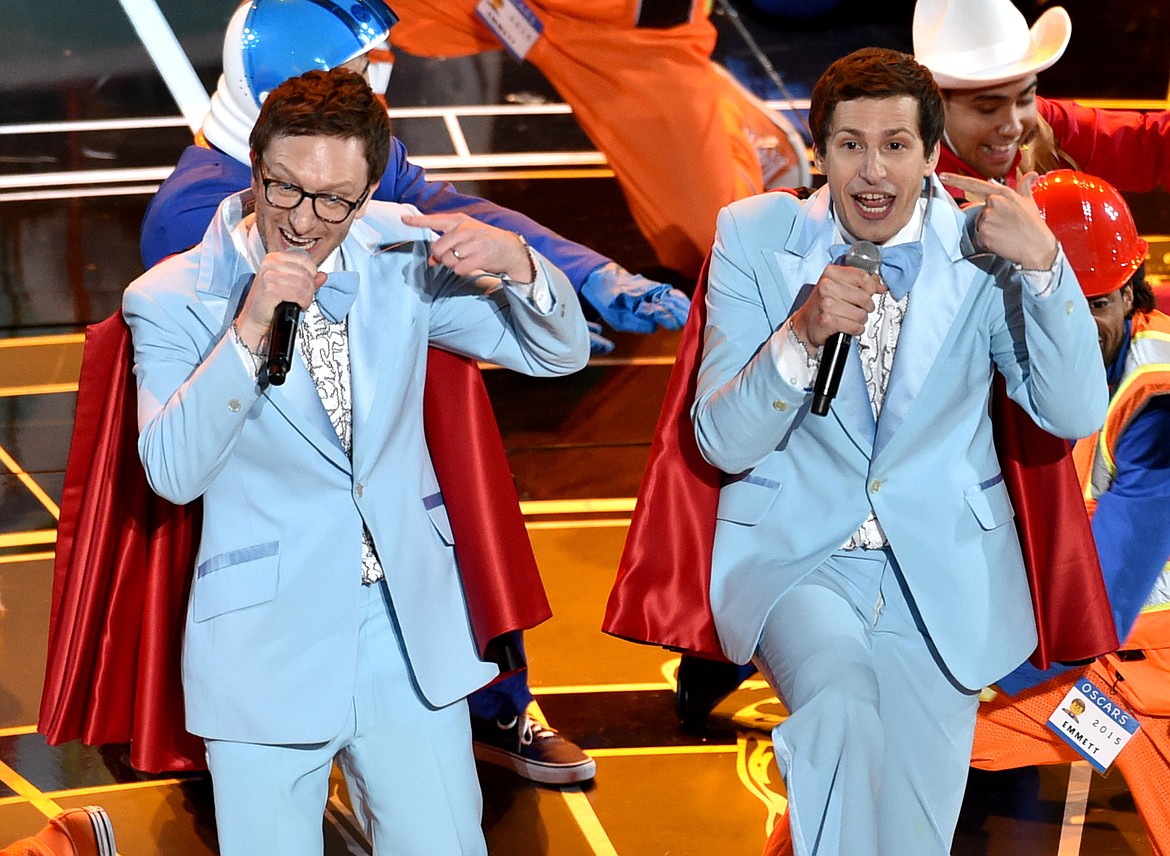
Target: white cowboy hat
(969,44)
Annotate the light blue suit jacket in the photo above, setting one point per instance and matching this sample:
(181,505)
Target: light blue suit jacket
(271,637)
(802,484)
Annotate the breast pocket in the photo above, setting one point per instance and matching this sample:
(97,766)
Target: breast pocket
(235,580)
(747,499)
(990,503)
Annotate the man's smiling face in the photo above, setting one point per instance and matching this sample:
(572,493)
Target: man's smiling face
(875,162)
(331,166)
(986,127)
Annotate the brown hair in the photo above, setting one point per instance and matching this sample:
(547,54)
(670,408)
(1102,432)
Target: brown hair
(1143,296)
(334,103)
(876,73)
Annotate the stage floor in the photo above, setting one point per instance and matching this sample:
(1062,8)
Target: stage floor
(85,137)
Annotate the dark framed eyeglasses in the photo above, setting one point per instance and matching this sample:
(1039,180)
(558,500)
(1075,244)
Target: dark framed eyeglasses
(328,207)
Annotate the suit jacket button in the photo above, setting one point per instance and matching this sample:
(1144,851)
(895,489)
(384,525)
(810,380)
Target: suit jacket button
(234,405)
(780,405)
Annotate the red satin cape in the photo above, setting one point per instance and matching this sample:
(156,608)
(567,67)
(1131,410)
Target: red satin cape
(125,557)
(661,594)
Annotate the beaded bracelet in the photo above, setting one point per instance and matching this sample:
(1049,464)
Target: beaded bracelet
(257,358)
(531,263)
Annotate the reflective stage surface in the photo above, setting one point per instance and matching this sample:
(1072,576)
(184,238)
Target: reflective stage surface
(88,129)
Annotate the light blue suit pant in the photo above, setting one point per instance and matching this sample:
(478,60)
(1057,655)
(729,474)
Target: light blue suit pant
(875,750)
(408,767)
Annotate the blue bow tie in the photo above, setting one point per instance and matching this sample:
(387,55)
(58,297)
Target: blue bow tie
(900,265)
(336,296)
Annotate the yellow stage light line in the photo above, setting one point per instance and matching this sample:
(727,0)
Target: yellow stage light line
(634,687)
(37,389)
(588,821)
(18,730)
(577,506)
(25,557)
(1126,103)
(581,808)
(23,539)
(28,791)
(455,175)
(30,483)
(577,524)
(40,341)
(93,790)
(650,686)
(656,751)
(662,360)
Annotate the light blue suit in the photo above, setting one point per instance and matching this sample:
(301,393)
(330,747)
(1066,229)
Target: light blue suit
(271,645)
(801,485)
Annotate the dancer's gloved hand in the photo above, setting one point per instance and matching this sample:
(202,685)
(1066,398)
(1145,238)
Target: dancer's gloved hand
(632,303)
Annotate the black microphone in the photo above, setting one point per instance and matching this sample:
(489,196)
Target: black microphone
(282,338)
(866,256)
(282,341)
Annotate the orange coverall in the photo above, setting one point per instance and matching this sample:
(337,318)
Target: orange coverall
(671,125)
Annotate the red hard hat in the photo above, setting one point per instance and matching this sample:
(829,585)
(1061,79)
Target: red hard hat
(1092,222)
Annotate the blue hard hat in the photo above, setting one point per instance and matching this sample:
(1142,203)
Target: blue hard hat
(280,39)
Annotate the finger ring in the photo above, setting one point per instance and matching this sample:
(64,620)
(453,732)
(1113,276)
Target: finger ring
(455,253)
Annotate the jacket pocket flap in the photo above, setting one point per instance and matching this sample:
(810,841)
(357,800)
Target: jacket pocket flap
(747,499)
(437,511)
(990,503)
(234,580)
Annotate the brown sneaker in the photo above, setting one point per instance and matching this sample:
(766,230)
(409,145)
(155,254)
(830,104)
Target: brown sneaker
(532,750)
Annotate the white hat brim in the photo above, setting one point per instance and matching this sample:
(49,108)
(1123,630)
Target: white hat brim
(1049,37)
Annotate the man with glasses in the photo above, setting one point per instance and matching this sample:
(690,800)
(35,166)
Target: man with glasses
(326,617)
(266,42)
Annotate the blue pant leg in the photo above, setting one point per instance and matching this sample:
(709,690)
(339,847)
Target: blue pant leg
(409,766)
(815,653)
(876,748)
(505,698)
(270,799)
(929,724)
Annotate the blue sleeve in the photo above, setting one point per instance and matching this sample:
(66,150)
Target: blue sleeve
(1132,522)
(407,182)
(1131,526)
(179,214)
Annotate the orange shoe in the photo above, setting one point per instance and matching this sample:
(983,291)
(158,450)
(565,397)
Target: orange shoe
(780,841)
(75,832)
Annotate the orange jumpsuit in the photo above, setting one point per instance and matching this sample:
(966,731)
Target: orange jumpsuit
(676,131)
(1012,731)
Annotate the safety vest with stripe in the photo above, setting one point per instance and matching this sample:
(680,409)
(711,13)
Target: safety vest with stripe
(1146,374)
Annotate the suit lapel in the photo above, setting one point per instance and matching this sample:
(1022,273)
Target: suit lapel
(801,263)
(381,326)
(223,282)
(300,403)
(940,297)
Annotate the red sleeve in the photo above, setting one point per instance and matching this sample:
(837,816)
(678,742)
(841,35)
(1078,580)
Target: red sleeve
(1127,148)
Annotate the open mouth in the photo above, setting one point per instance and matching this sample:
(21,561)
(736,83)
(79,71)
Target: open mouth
(1001,153)
(874,206)
(294,241)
